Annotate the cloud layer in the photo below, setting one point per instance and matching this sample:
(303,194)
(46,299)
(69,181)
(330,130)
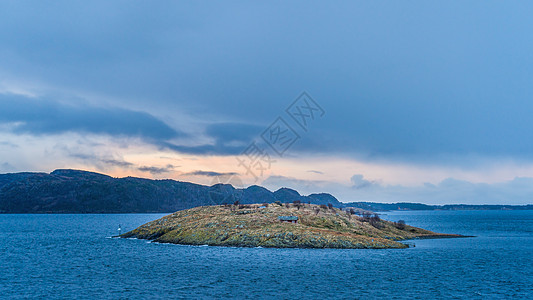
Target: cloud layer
(205,81)
(42,116)
(391,89)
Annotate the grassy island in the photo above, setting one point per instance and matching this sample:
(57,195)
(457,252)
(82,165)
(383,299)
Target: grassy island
(260,225)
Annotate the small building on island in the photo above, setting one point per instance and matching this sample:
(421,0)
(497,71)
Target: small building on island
(288,219)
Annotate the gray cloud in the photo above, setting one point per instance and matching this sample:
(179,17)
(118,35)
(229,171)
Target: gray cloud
(156,170)
(98,161)
(44,116)
(315,171)
(227,134)
(359,182)
(229,139)
(104,162)
(118,163)
(210,173)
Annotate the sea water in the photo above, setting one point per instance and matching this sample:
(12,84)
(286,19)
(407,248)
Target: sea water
(73,256)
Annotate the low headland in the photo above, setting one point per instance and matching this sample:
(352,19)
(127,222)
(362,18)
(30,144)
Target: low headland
(279,225)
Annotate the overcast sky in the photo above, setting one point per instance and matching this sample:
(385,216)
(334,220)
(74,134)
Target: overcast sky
(405,101)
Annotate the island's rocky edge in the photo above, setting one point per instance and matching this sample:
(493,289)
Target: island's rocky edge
(257,225)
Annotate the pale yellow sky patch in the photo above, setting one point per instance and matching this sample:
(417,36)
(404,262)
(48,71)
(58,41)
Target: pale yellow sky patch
(104,154)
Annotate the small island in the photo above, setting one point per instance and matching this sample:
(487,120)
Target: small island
(279,225)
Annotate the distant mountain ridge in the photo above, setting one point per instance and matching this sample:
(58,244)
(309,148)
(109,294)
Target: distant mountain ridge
(76,191)
(373,206)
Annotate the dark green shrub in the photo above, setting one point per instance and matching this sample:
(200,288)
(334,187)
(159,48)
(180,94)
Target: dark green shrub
(400,224)
(375,221)
(297,203)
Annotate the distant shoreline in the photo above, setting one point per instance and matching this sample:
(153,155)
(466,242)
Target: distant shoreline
(407,206)
(170,212)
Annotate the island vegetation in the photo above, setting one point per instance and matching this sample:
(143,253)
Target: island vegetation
(264,225)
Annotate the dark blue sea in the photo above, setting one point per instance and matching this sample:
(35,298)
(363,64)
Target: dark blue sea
(73,256)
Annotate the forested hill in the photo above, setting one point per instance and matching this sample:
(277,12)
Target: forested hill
(75,191)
